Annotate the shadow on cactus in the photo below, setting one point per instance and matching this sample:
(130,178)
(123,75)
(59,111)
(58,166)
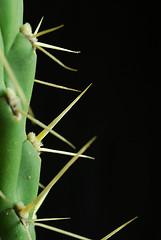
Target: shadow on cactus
(20,161)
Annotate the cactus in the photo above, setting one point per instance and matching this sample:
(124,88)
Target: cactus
(20,161)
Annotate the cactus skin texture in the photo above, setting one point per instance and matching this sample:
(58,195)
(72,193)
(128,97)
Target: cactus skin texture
(16,152)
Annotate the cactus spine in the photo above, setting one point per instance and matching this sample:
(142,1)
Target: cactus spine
(19,159)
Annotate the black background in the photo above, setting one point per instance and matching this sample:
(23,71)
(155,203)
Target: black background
(120,55)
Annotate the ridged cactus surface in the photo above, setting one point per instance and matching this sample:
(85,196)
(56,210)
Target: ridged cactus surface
(16,152)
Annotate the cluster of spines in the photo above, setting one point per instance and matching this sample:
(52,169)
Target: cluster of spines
(13,101)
